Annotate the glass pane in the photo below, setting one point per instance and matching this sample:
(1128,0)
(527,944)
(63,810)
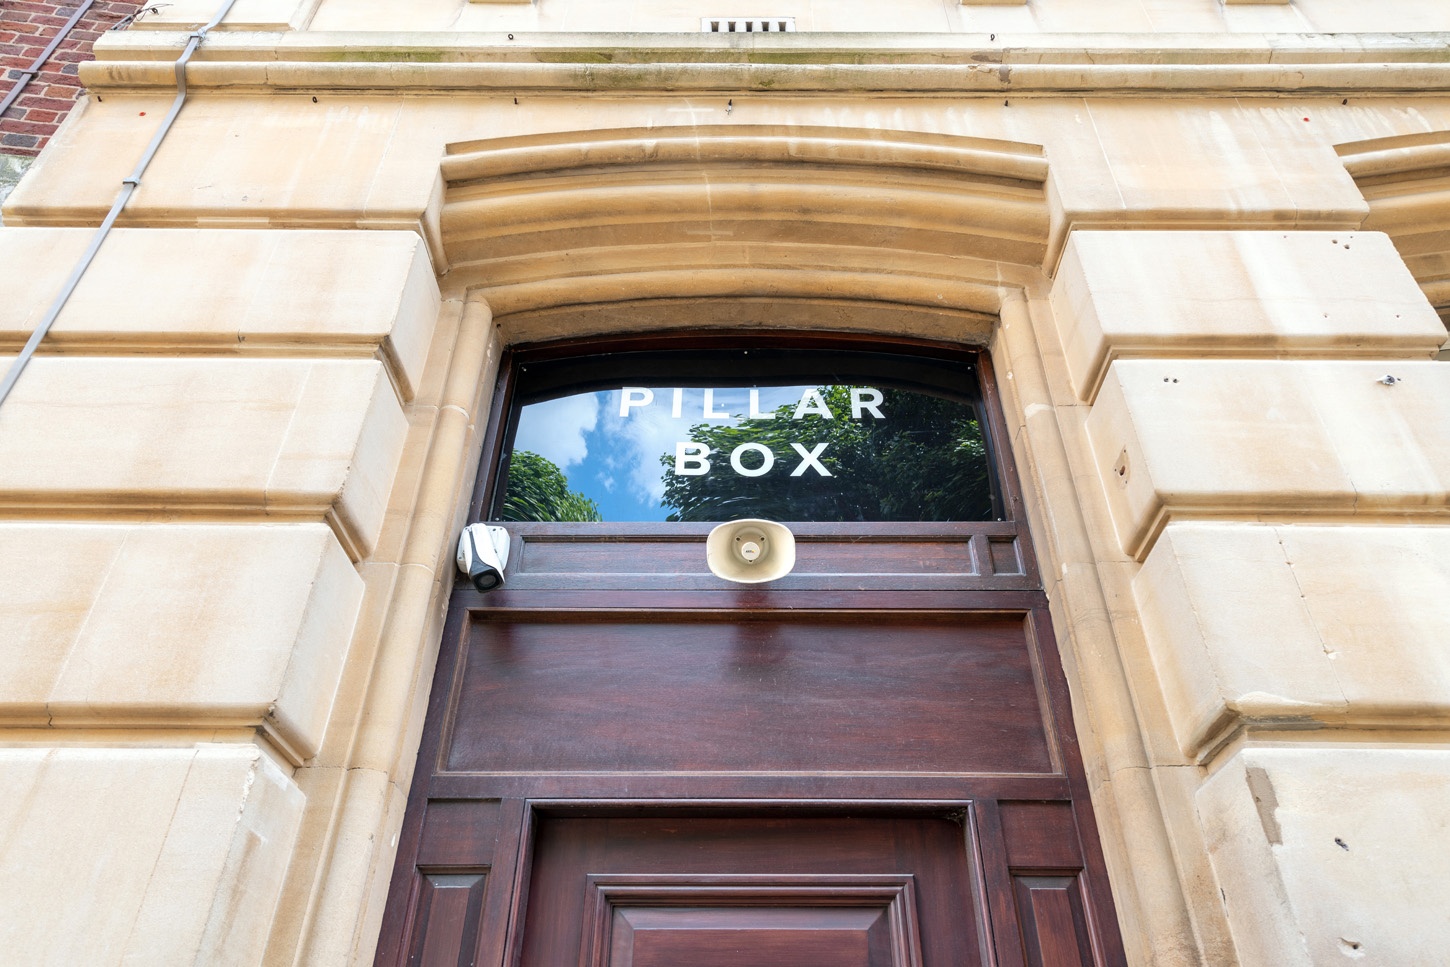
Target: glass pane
(802,452)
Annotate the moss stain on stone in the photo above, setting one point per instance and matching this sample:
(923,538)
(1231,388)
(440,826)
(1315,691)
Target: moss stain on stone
(384,56)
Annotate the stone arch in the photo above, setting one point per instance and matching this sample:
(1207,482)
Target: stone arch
(623,231)
(842,228)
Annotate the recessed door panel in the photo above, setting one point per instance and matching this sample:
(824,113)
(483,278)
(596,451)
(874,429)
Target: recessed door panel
(751,891)
(449,907)
(704,693)
(665,919)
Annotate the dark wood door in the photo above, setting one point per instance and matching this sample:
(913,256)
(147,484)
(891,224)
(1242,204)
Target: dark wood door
(679,784)
(871,761)
(742,891)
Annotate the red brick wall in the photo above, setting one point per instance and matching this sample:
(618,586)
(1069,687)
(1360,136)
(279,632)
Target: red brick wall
(26,27)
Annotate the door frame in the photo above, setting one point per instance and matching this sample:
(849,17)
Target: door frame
(976,799)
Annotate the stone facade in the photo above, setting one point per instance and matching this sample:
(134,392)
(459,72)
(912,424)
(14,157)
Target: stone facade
(1197,247)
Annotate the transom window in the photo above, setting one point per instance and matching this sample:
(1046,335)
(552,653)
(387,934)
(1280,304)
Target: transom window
(721,434)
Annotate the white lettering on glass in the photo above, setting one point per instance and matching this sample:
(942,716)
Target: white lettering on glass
(710,413)
(755,413)
(808,459)
(811,402)
(691,459)
(866,400)
(632,396)
(767,459)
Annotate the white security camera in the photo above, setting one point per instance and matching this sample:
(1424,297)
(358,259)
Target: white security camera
(483,551)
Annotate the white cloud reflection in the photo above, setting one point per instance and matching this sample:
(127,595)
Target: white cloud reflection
(647,433)
(650,431)
(609,456)
(557,430)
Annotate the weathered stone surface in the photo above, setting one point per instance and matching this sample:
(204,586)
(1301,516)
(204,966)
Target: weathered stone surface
(1177,164)
(1171,294)
(244,15)
(247,163)
(1058,16)
(1241,437)
(1260,624)
(1332,855)
(220,292)
(1137,163)
(12,166)
(198,625)
(142,856)
(312,439)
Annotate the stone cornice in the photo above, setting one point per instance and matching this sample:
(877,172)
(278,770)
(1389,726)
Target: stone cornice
(955,64)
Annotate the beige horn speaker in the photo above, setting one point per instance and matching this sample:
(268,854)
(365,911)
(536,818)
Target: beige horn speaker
(750,551)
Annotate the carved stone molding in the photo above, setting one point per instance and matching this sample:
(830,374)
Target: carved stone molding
(1406,180)
(722,211)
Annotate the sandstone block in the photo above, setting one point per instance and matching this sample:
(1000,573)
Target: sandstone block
(214,291)
(298,438)
(175,624)
(1332,855)
(1163,294)
(1154,163)
(1297,624)
(245,162)
(1243,437)
(142,856)
(278,15)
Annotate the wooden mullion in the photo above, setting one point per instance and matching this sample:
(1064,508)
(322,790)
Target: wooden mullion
(997,878)
(501,899)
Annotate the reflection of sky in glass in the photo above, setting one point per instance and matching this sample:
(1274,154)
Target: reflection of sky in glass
(615,460)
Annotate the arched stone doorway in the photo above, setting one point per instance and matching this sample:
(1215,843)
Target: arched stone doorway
(759,233)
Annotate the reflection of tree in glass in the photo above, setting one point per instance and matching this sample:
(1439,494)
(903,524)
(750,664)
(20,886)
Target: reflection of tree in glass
(538,490)
(926,460)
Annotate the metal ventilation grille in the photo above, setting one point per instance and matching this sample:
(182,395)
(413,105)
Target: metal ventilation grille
(738,25)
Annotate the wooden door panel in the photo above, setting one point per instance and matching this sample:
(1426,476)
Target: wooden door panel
(443,920)
(727,891)
(450,906)
(713,693)
(744,921)
(748,938)
(1044,859)
(980,555)
(459,832)
(1054,923)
